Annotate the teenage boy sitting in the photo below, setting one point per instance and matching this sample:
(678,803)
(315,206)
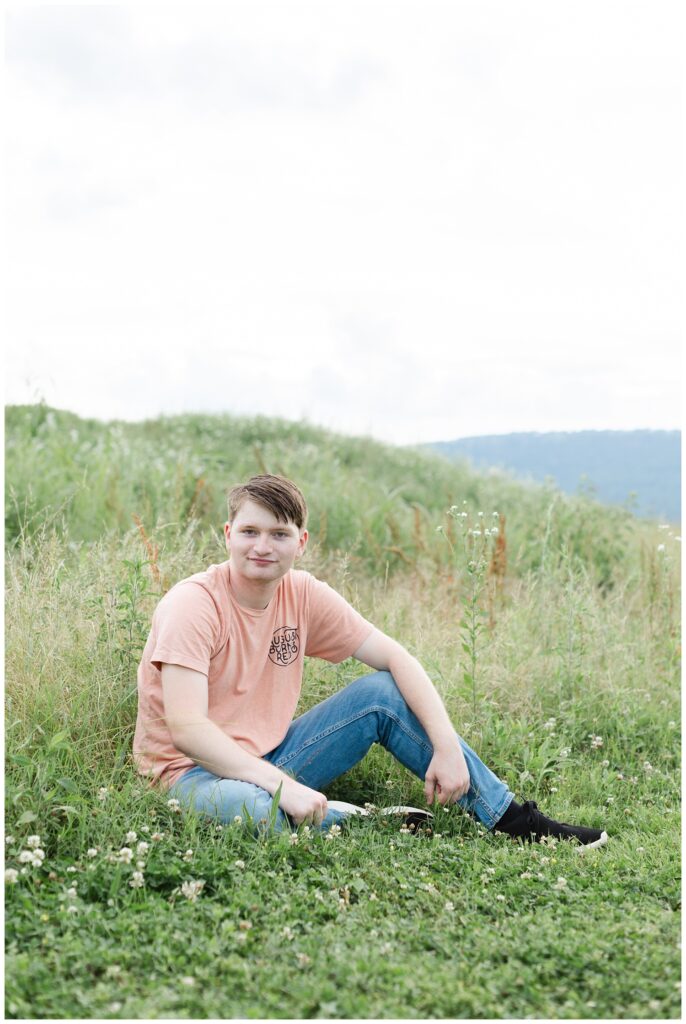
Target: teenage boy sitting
(221,673)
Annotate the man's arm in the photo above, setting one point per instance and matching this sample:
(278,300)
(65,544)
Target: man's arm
(447,777)
(185,708)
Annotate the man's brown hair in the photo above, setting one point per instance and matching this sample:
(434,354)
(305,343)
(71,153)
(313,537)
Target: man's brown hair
(279,495)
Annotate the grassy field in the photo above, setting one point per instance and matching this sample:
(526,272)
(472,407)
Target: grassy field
(555,644)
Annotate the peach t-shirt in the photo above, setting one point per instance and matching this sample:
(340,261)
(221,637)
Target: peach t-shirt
(253,659)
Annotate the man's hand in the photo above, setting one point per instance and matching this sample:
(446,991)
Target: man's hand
(447,777)
(302,803)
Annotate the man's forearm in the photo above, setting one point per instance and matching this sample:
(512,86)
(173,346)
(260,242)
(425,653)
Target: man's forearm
(205,742)
(422,697)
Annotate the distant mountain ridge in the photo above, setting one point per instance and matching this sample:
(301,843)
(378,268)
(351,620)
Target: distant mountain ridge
(640,469)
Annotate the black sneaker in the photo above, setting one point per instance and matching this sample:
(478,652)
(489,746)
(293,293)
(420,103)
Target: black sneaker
(525,821)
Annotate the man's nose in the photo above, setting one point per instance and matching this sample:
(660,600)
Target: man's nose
(263,542)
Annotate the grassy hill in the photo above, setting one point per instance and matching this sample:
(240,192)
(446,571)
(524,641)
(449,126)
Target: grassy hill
(378,503)
(551,632)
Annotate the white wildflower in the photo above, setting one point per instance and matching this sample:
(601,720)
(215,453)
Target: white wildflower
(500,897)
(72,909)
(9,840)
(660,547)
(142,847)
(288,933)
(448,905)
(188,980)
(293,839)
(237,819)
(92,851)
(335,830)
(560,884)
(26,857)
(11,876)
(188,855)
(173,804)
(526,874)
(71,870)
(240,864)
(137,880)
(192,889)
(125,855)
(605,764)
(304,960)
(72,893)
(157,837)
(131,837)
(145,828)
(140,865)
(102,793)
(33,841)
(306,830)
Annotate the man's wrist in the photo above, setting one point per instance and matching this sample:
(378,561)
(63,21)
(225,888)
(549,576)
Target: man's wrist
(445,739)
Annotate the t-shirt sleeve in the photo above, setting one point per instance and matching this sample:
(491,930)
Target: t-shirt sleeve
(187,628)
(334,629)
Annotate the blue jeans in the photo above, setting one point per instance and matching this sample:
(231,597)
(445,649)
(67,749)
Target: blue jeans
(328,740)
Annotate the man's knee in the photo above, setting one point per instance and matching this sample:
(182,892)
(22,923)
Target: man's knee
(381,691)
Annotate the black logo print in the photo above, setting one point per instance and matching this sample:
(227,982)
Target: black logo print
(284,646)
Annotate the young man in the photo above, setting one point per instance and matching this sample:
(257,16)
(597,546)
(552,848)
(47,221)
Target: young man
(221,674)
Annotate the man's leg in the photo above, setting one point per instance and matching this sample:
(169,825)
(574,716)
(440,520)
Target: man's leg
(226,799)
(333,736)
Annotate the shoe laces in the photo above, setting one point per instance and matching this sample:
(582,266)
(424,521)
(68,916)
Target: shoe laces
(532,812)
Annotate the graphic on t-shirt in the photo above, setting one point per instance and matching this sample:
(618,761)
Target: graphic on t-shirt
(284,646)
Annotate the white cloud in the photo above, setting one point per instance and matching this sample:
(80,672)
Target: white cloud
(425,221)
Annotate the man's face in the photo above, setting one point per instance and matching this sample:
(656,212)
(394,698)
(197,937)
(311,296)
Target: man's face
(262,548)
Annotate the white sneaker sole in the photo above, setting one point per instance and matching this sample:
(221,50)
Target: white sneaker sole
(346,808)
(592,846)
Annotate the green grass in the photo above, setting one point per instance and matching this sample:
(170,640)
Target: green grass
(582,642)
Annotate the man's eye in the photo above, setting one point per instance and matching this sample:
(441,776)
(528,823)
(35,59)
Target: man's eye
(281,534)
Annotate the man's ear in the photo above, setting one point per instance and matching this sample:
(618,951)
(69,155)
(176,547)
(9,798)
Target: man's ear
(227,533)
(303,543)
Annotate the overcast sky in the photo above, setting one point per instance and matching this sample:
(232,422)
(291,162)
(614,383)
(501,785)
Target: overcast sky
(419,221)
